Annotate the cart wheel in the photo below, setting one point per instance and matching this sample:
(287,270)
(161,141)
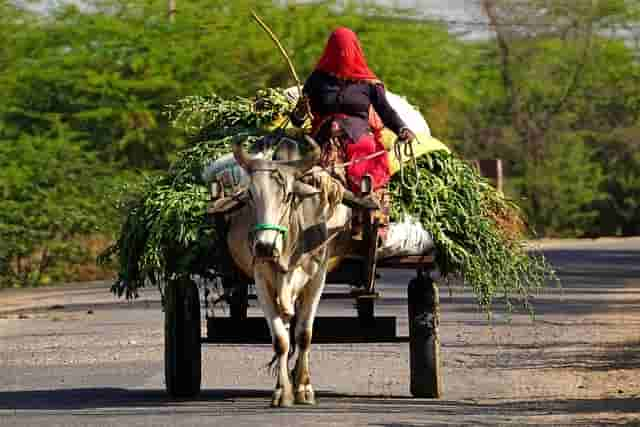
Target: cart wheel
(182,348)
(424,338)
(365,307)
(239,302)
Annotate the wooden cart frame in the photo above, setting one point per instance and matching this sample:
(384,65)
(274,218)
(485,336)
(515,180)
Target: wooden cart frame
(183,339)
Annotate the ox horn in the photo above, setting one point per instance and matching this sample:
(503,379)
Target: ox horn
(239,153)
(311,159)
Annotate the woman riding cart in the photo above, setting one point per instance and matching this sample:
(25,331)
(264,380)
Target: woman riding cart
(349,109)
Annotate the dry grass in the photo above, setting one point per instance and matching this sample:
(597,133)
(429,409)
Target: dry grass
(90,270)
(510,223)
(44,268)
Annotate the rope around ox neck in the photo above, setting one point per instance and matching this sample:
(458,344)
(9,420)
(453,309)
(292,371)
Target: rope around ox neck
(282,229)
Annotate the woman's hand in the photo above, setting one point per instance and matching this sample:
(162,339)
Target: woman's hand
(406,134)
(300,112)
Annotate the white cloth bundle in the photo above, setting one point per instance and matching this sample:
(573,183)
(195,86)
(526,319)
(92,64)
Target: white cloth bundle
(406,238)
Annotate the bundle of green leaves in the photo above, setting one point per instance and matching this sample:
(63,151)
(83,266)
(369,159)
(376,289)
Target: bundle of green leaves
(478,232)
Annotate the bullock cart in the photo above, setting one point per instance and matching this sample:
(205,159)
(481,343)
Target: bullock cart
(360,270)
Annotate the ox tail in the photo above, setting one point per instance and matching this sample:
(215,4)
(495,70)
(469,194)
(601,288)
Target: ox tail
(273,365)
(292,337)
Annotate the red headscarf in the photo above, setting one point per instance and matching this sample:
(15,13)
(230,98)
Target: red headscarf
(343,57)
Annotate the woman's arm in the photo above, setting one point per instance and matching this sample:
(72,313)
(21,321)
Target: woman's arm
(300,112)
(303,108)
(389,116)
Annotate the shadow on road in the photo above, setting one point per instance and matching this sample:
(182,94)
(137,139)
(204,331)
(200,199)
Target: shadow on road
(590,268)
(247,401)
(588,278)
(601,357)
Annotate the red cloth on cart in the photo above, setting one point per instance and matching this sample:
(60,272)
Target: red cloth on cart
(377,167)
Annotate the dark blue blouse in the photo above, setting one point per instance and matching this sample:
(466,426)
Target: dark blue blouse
(330,95)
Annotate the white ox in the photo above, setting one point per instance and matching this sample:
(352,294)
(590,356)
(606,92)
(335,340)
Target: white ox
(281,240)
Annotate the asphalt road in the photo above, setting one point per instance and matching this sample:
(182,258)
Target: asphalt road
(74,356)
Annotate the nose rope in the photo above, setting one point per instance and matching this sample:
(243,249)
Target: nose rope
(277,227)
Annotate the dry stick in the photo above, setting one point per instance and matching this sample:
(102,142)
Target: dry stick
(172,11)
(266,28)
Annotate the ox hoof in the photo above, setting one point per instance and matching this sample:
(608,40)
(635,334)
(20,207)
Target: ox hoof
(305,395)
(282,398)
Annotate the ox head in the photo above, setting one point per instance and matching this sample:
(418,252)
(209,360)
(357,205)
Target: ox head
(273,189)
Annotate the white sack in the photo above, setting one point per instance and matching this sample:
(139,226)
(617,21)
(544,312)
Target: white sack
(226,169)
(406,238)
(409,114)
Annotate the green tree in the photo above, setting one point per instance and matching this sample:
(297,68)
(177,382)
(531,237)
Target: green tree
(50,192)
(568,183)
(620,155)
(555,94)
(551,75)
(110,75)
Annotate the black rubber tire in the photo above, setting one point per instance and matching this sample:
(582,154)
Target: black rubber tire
(366,310)
(424,338)
(182,344)
(239,303)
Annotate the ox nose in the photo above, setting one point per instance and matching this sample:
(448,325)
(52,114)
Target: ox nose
(265,249)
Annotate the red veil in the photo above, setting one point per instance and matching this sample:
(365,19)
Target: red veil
(343,57)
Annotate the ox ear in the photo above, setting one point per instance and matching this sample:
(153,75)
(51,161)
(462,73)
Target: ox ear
(303,190)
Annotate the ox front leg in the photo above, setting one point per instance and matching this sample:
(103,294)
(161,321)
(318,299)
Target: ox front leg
(304,331)
(283,393)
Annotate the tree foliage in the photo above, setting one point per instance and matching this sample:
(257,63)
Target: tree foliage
(554,92)
(51,192)
(561,80)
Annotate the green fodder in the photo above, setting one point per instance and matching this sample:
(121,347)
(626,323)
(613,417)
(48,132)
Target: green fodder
(164,235)
(479,234)
(211,117)
(166,232)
